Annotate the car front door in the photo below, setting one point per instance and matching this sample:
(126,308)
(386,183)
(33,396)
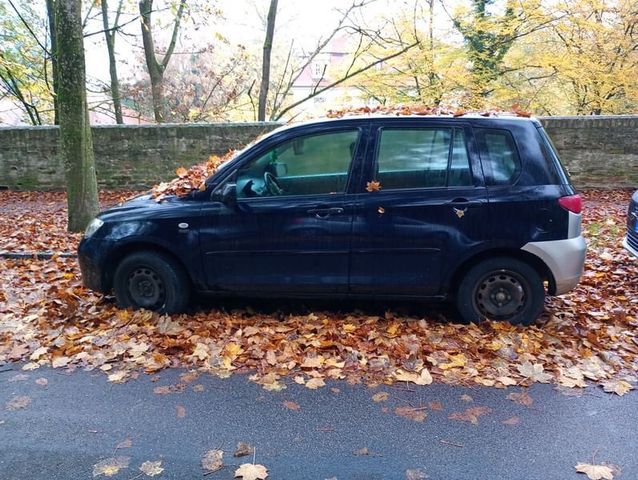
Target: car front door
(288,229)
(423,205)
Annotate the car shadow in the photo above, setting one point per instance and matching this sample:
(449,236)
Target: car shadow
(282,308)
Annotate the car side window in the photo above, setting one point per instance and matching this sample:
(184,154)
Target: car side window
(422,158)
(499,156)
(305,165)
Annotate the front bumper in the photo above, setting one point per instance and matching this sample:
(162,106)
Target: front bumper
(91,272)
(564,258)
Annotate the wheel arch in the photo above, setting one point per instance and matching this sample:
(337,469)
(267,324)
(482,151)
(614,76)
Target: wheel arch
(535,262)
(118,254)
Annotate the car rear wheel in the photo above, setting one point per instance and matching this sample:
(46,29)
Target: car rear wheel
(501,289)
(151,281)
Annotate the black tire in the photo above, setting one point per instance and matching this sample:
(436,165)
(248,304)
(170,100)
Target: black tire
(151,281)
(501,289)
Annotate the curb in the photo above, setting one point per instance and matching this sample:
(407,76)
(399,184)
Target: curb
(36,255)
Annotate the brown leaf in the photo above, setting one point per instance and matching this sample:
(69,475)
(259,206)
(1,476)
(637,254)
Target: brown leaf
(243,449)
(212,461)
(290,405)
(470,415)
(373,186)
(522,398)
(180,410)
(380,397)
(512,421)
(126,443)
(18,402)
(416,414)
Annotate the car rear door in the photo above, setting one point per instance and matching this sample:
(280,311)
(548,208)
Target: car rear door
(296,239)
(423,203)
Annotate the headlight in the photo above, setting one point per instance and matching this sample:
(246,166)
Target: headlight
(93,227)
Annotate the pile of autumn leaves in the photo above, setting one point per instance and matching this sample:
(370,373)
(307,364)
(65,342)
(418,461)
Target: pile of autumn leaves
(586,338)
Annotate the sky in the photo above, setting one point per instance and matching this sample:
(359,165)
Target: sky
(241,22)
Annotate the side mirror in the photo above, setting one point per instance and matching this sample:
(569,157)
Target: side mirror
(227,195)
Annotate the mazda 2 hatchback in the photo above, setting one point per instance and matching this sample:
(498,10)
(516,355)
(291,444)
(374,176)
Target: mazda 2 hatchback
(474,210)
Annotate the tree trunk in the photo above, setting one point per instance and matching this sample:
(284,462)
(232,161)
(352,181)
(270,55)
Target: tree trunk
(54,62)
(155,68)
(265,65)
(110,46)
(76,145)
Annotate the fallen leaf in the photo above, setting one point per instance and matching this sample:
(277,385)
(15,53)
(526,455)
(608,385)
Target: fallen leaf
(249,471)
(423,378)
(418,415)
(18,402)
(595,472)
(380,397)
(118,377)
(152,468)
(512,421)
(470,415)
(126,443)
(60,362)
(466,398)
(619,387)
(110,466)
(435,406)
(290,405)
(243,449)
(415,474)
(534,372)
(361,452)
(373,186)
(180,410)
(522,398)
(315,383)
(212,461)
(42,381)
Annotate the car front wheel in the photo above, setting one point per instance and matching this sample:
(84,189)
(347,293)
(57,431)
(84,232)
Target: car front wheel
(151,281)
(501,289)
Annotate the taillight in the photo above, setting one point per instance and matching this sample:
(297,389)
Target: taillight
(572,203)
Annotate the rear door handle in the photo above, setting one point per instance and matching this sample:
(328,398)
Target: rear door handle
(325,212)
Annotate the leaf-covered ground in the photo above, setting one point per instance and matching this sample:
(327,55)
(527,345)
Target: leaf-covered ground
(583,339)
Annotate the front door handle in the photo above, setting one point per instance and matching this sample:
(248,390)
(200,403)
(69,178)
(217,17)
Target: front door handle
(464,202)
(325,212)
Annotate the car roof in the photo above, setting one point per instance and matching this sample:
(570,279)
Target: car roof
(473,118)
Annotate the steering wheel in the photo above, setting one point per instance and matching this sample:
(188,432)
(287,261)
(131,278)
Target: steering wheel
(270,182)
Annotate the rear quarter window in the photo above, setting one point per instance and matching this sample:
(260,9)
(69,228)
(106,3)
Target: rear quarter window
(499,156)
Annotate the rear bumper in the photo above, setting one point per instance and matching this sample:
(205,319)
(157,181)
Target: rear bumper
(564,258)
(629,248)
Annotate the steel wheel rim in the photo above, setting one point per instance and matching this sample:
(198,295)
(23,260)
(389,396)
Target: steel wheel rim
(500,295)
(146,288)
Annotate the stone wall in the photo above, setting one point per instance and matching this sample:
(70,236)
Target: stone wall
(598,151)
(126,156)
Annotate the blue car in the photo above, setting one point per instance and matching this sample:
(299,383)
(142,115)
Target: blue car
(631,240)
(474,210)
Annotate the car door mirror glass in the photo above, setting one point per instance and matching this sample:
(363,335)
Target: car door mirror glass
(226,195)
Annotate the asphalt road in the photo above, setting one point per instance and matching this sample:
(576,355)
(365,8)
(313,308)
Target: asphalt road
(77,419)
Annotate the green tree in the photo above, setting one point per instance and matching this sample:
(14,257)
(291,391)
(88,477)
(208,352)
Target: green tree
(488,36)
